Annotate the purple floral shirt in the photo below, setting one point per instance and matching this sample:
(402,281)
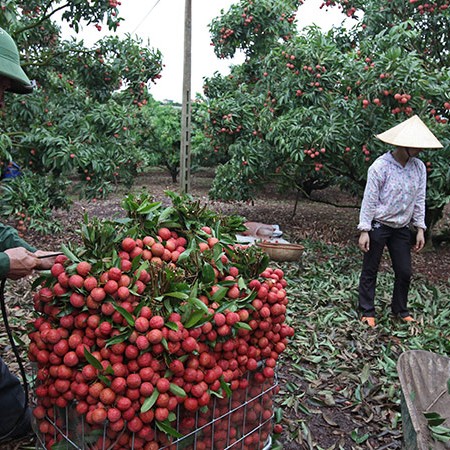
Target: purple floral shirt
(394,195)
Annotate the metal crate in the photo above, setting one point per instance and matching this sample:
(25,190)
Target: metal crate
(242,421)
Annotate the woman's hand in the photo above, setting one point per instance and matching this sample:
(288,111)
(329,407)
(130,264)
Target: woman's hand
(364,241)
(420,240)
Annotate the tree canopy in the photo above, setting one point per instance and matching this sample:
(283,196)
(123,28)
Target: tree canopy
(84,117)
(303,109)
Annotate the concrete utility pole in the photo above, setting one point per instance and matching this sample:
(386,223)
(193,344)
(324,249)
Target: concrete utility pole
(185,149)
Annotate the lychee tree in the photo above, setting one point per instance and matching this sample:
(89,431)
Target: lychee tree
(304,111)
(80,121)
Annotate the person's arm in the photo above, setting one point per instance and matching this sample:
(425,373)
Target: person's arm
(21,262)
(17,257)
(420,240)
(4,265)
(368,208)
(370,200)
(364,241)
(418,219)
(9,238)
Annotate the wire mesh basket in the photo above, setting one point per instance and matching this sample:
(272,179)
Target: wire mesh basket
(241,421)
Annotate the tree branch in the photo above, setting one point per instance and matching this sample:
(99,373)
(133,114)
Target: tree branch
(43,18)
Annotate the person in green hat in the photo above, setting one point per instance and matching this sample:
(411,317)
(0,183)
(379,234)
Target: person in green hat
(17,258)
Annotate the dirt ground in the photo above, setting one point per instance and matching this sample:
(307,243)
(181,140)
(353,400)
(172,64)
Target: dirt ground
(317,219)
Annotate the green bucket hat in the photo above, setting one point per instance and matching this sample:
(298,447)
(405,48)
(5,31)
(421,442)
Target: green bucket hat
(10,65)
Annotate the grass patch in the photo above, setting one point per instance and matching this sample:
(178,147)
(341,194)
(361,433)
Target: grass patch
(340,365)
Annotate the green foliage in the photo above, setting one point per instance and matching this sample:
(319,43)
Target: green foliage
(231,182)
(303,113)
(253,26)
(438,431)
(335,361)
(32,199)
(163,130)
(186,214)
(83,121)
(427,24)
(29,13)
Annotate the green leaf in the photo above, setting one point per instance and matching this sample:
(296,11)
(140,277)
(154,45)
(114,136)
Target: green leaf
(434,419)
(146,208)
(278,415)
(38,281)
(241,283)
(226,387)
(365,373)
(216,394)
(109,370)
(177,390)
(208,275)
(92,360)
(219,294)
(150,401)
(440,437)
(104,380)
(168,429)
(172,325)
(144,266)
(170,224)
(194,290)
(124,313)
(195,318)
(165,214)
(198,304)
(68,253)
(357,438)
(136,262)
(179,295)
(243,325)
(118,339)
(440,430)
(185,255)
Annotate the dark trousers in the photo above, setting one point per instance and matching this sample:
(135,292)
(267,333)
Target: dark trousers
(12,401)
(398,242)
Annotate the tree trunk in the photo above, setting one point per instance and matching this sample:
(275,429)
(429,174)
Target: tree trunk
(432,217)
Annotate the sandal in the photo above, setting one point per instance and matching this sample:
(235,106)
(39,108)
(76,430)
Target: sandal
(369,321)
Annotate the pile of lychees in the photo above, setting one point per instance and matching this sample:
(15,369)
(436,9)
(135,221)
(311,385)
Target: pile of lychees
(156,339)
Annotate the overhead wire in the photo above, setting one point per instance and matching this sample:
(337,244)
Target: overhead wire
(145,17)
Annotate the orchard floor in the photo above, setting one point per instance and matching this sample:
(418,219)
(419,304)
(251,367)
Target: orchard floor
(320,219)
(317,220)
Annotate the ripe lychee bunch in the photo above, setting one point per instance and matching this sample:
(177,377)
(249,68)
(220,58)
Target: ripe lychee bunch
(146,338)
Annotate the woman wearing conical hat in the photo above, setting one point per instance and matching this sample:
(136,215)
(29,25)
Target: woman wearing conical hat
(393,201)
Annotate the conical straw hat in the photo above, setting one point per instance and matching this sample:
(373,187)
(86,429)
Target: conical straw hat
(411,133)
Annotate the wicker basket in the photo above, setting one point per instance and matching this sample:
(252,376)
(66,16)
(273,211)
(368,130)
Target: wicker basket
(281,251)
